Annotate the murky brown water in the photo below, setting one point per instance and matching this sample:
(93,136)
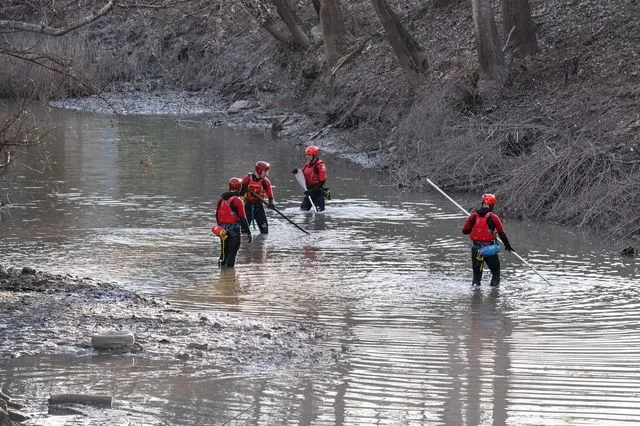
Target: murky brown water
(386,274)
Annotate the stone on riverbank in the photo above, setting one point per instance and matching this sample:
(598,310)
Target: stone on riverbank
(112,341)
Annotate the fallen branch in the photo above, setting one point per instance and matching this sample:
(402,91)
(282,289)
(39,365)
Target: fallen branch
(53,31)
(82,399)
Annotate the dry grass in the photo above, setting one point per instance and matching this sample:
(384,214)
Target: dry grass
(49,68)
(582,184)
(555,143)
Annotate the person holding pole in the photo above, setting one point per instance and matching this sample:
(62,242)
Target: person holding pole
(482,226)
(255,187)
(315,175)
(230,215)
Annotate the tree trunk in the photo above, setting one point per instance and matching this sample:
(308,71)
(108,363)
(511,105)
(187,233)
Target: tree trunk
(266,21)
(490,55)
(333,32)
(289,18)
(316,6)
(410,54)
(517,21)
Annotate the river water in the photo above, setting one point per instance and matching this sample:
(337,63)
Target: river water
(387,274)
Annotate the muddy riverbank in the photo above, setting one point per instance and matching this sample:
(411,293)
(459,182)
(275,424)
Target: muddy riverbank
(43,313)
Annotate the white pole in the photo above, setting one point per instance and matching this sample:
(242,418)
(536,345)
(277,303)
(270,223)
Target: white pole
(467,213)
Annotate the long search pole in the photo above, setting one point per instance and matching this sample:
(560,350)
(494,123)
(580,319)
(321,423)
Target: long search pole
(300,178)
(467,213)
(279,212)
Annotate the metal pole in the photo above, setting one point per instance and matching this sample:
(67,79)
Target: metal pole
(279,212)
(301,181)
(467,213)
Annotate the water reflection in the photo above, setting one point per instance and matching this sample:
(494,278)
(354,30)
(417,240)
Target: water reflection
(384,274)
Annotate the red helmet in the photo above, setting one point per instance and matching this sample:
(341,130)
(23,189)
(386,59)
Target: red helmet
(235,184)
(312,150)
(262,166)
(489,199)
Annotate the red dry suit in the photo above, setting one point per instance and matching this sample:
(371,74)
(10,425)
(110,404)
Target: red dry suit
(230,210)
(262,187)
(315,172)
(483,227)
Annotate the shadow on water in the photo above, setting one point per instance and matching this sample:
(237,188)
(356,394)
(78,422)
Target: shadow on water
(385,274)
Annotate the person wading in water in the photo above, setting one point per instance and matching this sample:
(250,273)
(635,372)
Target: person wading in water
(230,214)
(255,187)
(315,175)
(482,226)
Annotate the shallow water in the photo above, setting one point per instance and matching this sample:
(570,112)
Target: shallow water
(386,274)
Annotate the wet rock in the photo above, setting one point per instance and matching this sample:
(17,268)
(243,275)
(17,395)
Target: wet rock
(628,251)
(199,346)
(65,410)
(28,271)
(17,416)
(183,356)
(239,106)
(112,341)
(9,402)
(104,401)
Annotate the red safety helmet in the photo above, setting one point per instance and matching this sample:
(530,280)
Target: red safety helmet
(262,166)
(312,150)
(235,184)
(489,199)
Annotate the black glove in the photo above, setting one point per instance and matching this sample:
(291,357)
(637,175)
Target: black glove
(249,237)
(306,192)
(294,171)
(509,248)
(271,205)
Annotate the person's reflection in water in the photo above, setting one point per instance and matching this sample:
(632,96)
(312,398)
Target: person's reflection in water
(256,253)
(228,287)
(315,221)
(489,333)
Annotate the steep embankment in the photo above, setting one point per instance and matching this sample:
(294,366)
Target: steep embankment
(560,141)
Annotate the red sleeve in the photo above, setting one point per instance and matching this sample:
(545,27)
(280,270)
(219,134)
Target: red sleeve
(466,229)
(218,209)
(268,188)
(497,223)
(322,171)
(239,207)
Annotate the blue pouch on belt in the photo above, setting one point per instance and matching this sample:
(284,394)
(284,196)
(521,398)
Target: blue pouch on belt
(490,250)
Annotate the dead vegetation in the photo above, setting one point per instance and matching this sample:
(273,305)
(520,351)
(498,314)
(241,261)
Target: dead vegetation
(580,184)
(560,142)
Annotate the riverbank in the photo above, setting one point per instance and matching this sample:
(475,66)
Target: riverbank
(47,314)
(207,108)
(558,143)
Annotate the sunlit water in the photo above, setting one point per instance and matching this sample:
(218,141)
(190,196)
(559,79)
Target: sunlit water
(387,274)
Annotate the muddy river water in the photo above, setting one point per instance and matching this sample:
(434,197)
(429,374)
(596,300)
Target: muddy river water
(386,274)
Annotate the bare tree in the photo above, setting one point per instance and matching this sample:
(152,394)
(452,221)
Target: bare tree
(333,31)
(47,29)
(408,51)
(262,14)
(490,55)
(291,21)
(316,6)
(518,25)
(18,131)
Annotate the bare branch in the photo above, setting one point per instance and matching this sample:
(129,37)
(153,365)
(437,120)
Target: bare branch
(53,31)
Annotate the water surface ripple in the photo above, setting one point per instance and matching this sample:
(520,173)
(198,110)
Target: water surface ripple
(386,274)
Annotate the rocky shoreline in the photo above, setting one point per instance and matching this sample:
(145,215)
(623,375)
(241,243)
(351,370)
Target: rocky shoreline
(206,108)
(43,313)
